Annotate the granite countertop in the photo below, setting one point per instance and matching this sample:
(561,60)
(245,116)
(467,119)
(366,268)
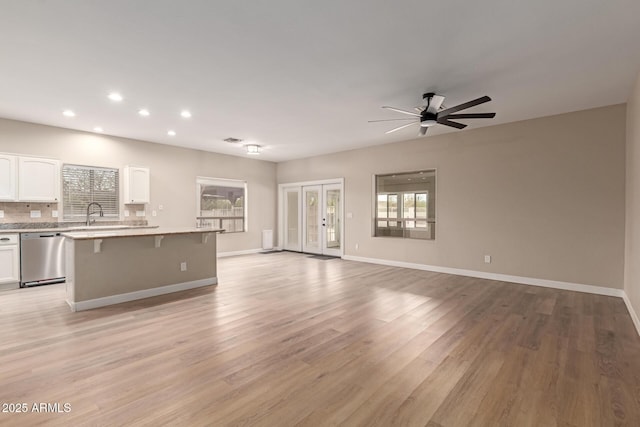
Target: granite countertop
(158,231)
(47,228)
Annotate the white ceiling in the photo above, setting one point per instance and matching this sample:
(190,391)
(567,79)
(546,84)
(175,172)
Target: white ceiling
(303,77)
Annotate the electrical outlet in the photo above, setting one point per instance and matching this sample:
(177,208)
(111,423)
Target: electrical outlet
(183,266)
(154,213)
(1,214)
(54,214)
(487,259)
(160,207)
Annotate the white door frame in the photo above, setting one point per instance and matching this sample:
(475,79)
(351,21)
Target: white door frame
(285,219)
(281,206)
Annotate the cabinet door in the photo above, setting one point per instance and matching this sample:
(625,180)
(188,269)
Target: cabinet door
(38,180)
(9,264)
(7,177)
(136,185)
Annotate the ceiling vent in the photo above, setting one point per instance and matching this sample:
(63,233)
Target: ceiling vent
(231,140)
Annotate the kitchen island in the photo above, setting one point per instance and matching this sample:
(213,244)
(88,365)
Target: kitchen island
(115,266)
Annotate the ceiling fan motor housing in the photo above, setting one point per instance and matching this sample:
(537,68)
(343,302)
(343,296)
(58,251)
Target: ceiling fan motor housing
(427,119)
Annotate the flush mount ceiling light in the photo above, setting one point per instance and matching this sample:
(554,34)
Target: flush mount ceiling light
(186,114)
(115,96)
(171,133)
(144,112)
(253,149)
(68,113)
(98,129)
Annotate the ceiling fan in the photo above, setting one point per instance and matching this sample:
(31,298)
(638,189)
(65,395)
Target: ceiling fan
(434,113)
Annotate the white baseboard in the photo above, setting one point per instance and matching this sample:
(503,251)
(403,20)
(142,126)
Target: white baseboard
(146,293)
(632,312)
(9,286)
(235,253)
(599,290)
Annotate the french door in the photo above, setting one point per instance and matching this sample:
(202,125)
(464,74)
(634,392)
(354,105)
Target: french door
(312,217)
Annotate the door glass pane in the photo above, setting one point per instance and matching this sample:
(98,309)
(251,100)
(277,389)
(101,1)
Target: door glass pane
(313,221)
(421,205)
(382,205)
(333,218)
(292,218)
(393,205)
(408,206)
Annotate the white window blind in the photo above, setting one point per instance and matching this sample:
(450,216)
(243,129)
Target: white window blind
(82,185)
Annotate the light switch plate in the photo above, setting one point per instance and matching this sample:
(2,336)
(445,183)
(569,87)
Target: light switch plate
(54,214)
(36,214)
(126,212)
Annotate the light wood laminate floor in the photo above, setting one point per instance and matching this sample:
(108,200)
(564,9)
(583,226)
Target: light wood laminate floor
(287,340)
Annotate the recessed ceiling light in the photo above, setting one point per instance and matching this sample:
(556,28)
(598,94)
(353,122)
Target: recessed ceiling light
(186,114)
(171,133)
(69,113)
(98,129)
(115,96)
(144,112)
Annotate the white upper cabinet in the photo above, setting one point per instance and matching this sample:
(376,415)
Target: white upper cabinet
(8,173)
(38,179)
(136,184)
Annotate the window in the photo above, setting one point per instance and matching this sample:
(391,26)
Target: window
(82,185)
(222,204)
(405,205)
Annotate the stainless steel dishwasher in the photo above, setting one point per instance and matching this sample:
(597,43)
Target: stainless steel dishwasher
(41,259)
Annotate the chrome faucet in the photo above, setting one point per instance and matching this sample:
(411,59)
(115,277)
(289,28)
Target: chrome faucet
(91,213)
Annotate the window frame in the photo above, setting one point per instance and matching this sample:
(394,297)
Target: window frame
(222,182)
(81,216)
(400,220)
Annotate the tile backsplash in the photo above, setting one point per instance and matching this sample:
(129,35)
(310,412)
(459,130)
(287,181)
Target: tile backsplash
(22,212)
(17,212)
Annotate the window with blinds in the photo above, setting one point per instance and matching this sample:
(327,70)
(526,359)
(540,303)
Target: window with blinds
(82,185)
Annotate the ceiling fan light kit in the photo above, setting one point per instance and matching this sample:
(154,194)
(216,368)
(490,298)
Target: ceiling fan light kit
(433,113)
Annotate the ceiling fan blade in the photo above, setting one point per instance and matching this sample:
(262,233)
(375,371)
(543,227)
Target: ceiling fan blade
(444,121)
(402,127)
(464,106)
(423,130)
(472,116)
(434,105)
(401,111)
(390,120)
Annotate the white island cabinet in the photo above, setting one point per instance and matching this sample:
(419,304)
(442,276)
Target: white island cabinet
(38,179)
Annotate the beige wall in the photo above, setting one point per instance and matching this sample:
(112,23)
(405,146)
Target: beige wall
(632,247)
(173,173)
(544,197)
